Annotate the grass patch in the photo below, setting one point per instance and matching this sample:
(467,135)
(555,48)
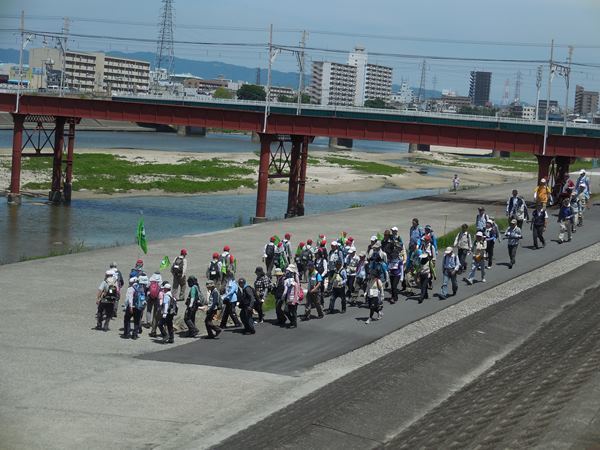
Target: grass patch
(109,173)
(356,205)
(366,166)
(447,240)
(269,303)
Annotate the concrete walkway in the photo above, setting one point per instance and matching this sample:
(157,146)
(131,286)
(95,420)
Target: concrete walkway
(68,386)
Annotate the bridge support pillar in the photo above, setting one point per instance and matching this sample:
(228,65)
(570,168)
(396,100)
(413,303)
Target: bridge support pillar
(263,177)
(14,196)
(55,194)
(418,147)
(340,143)
(67,188)
(302,178)
(295,164)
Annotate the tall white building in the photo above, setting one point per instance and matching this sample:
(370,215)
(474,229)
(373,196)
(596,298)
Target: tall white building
(350,84)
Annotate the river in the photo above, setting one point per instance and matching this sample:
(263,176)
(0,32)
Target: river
(37,228)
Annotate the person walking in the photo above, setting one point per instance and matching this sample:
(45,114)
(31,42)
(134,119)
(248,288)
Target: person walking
(516,208)
(212,308)
(120,283)
(542,194)
(481,219)
(374,296)
(230,301)
(247,299)
(269,256)
(338,286)
(139,304)
(463,243)
(565,219)
(106,298)
(154,285)
(169,310)
(262,287)
(455,182)
(450,266)
(213,271)
(539,222)
(128,308)
(194,301)
(313,292)
(278,293)
(291,295)
(479,257)
(513,234)
(351,265)
(179,272)
(425,274)
(491,235)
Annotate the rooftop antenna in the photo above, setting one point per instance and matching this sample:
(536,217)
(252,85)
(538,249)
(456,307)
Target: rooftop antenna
(165,51)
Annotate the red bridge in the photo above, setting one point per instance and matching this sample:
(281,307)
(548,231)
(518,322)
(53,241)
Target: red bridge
(285,125)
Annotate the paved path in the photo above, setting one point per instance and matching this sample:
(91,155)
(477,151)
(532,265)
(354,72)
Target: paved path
(513,404)
(68,386)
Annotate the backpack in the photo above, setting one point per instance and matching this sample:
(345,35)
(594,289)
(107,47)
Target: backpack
(139,297)
(270,251)
(154,290)
(219,300)
(111,294)
(305,256)
(213,270)
(172,309)
(177,267)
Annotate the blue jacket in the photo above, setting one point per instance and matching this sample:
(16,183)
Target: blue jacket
(231,292)
(415,233)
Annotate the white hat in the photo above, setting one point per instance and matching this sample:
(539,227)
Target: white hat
(514,221)
(352,249)
(108,273)
(448,250)
(489,221)
(394,228)
(582,171)
(373,238)
(132,280)
(479,233)
(334,243)
(292,268)
(278,271)
(543,180)
(166,286)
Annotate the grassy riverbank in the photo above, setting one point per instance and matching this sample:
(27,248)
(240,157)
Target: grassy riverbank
(107,173)
(372,168)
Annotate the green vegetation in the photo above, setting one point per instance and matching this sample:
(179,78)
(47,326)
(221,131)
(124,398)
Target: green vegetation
(75,248)
(269,303)
(293,99)
(108,173)
(239,222)
(251,92)
(366,166)
(356,205)
(376,103)
(447,240)
(478,110)
(223,93)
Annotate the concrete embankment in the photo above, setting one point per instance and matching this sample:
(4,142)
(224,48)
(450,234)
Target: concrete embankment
(65,384)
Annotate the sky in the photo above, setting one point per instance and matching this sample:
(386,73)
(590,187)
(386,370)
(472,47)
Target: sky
(402,32)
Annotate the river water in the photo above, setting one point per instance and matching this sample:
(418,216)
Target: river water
(37,228)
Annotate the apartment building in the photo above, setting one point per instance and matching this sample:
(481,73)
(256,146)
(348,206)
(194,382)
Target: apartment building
(586,102)
(90,72)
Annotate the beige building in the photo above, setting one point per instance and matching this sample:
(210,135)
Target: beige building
(88,72)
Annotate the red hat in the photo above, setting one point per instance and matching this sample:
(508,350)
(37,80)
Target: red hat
(183,251)
(226,248)
(323,243)
(321,236)
(272,238)
(215,255)
(350,239)
(309,241)
(288,235)
(139,261)
(280,244)
(301,244)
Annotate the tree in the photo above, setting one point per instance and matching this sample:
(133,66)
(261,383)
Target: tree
(478,110)
(251,92)
(293,99)
(375,103)
(223,93)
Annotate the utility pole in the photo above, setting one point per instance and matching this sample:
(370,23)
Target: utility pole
(550,74)
(300,56)
(538,84)
(567,79)
(517,97)
(268,99)
(63,46)
(422,84)
(20,61)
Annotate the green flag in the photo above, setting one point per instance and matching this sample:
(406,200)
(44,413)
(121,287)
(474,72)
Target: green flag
(380,236)
(165,263)
(141,236)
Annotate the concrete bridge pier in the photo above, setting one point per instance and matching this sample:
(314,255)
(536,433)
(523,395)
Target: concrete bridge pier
(186,130)
(418,147)
(340,143)
(55,194)
(14,196)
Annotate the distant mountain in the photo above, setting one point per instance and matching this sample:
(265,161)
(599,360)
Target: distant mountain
(214,69)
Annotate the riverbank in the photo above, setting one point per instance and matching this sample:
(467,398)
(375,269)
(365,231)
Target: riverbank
(99,173)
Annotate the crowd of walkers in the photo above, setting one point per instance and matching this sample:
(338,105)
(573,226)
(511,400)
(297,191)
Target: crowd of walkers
(330,269)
